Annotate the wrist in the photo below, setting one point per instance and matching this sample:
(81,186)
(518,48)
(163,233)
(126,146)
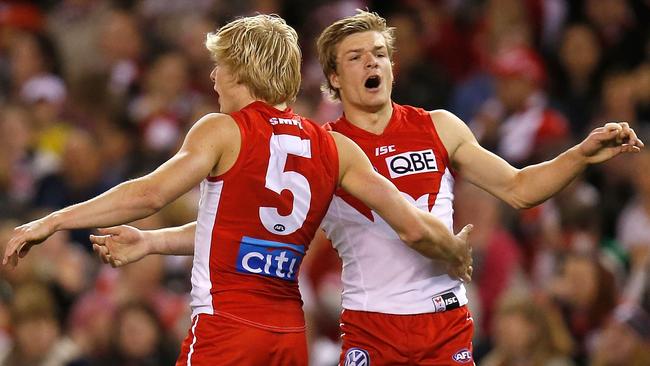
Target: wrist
(150,245)
(578,156)
(54,221)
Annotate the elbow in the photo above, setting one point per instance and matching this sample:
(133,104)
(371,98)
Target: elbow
(413,235)
(149,198)
(154,201)
(521,204)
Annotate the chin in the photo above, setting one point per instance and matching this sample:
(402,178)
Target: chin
(377,101)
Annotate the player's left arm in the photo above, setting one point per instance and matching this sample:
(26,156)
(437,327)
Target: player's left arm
(139,197)
(532,185)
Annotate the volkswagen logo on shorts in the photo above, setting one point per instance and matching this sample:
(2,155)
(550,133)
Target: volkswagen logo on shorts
(357,357)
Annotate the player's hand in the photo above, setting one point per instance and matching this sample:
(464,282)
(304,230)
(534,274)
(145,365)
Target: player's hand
(605,142)
(462,268)
(120,245)
(25,237)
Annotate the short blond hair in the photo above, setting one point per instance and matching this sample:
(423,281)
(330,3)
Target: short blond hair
(263,53)
(330,38)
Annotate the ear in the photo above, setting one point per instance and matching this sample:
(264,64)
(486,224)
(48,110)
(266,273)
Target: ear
(334,80)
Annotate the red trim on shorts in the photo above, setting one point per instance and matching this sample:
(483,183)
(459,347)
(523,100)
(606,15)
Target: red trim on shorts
(261,326)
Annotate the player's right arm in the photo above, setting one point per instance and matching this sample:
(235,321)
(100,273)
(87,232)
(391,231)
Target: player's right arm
(418,229)
(121,245)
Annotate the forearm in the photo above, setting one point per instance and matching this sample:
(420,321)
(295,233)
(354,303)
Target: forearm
(124,203)
(418,229)
(171,241)
(435,240)
(536,183)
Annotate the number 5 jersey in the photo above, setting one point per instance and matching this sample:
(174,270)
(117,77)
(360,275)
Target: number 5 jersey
(256,220)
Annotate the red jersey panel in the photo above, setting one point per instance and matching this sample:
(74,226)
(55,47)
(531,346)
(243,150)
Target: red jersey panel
(408,152)
(255,221)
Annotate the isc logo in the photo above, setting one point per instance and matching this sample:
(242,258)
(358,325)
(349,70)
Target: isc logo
(382,150)
(451,301)
(269,258)
(411,162)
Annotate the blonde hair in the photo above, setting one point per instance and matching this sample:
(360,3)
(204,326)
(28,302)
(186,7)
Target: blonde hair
(330,38)
(263,53)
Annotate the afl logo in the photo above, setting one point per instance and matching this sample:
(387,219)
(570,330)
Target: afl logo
(462,356)
(357,357)
(279,227)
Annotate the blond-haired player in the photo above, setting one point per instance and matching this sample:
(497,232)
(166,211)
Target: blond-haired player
(267,177)
(401,308)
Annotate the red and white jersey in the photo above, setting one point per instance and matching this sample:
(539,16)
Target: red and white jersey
(256,221)
(381,273)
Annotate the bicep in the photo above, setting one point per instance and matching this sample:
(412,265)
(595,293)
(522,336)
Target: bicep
(476,164)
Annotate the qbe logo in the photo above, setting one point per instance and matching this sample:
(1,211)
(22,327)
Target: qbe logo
(357,357)
(269,258)
(462,356)
(412,162)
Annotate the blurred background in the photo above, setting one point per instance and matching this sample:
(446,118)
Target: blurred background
(95,92)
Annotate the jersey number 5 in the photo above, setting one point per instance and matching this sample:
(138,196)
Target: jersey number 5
(278,180)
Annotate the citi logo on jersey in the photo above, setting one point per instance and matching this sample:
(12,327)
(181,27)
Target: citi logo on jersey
(269,258)
(412,162)
(285,121)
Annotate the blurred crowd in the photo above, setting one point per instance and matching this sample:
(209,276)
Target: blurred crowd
(95,92)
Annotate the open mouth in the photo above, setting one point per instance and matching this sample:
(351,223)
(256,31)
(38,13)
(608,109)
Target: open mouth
(372,82)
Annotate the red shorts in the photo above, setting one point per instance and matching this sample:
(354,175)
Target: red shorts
(218,340)
(439,339)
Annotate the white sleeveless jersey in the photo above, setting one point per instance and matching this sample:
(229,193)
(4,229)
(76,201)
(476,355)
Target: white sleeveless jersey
(381,273)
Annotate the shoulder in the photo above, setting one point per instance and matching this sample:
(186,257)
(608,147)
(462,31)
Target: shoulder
(216,120)
(343,144)
(215,124)
(452,130)
(446,119)
(212,131)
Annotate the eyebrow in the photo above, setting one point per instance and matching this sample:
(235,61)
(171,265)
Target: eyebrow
(356,50)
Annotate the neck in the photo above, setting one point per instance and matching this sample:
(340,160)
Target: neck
(371,120)
(248,99)
(281,106)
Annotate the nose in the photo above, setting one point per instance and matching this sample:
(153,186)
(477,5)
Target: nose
(371,61)
(213,74)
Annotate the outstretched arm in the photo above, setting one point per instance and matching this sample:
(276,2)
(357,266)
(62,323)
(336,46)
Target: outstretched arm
(418,229)
(532,185)
(140,197)
(124,244)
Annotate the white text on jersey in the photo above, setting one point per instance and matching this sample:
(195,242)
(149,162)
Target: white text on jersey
(285,121)
(382,150)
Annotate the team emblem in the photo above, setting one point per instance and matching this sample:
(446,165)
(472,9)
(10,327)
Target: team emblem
(357,357)
(462,356)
